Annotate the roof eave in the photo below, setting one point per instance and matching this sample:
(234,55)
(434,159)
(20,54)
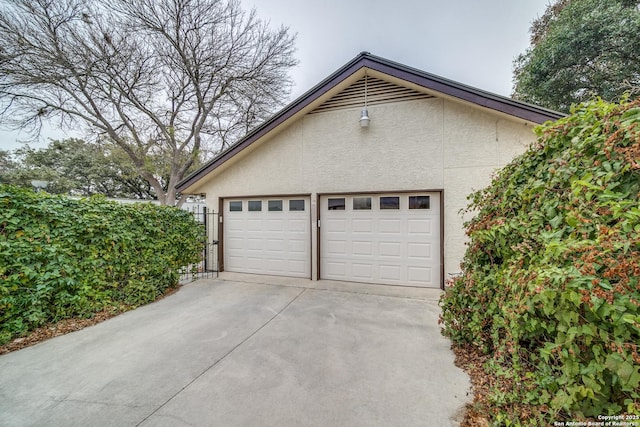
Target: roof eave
(429,81)
(463,92)
(283,115)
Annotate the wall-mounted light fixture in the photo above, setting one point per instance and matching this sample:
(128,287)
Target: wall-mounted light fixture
(364,114)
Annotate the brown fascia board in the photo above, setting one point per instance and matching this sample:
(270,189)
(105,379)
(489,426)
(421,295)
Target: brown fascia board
(503,104)
(429,81)
(280,117)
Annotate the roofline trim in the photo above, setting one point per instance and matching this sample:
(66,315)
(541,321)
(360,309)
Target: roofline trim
(366,60)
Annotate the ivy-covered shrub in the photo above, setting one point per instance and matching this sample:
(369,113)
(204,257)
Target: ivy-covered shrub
(62,258)
(551,276)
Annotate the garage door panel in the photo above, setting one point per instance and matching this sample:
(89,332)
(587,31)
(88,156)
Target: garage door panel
(362,271)
(390,226)
(420,226)
(271,239)
(275,225)
(297,247)
(399,244)
(389,249)
(337,269)
(254,263)
(362,248)
(254,244)
(234,261)
(336,247)
(235,225)
(255,225)
(336,225)
(390,272)
(277,246)
(419,250)
(417,274)
(297,267)
(362,226)
(234,243)
(277,264)
(298,225)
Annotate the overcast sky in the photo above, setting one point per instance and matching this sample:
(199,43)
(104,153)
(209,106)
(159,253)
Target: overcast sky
(470,41)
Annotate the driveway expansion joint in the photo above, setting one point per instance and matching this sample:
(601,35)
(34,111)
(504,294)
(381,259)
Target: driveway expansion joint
(224,356)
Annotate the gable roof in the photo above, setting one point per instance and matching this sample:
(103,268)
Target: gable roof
(366,60)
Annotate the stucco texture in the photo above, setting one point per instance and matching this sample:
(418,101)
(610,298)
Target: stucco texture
(426,144)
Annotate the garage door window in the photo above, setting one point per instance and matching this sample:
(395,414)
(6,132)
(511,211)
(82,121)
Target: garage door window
(418,202)
(235,206)
(362,203)
(389,202)
(275,205)
(296,205)
(255,205)
(336,204)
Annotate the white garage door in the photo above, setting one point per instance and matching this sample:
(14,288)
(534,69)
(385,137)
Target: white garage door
(268,236)
(382,238)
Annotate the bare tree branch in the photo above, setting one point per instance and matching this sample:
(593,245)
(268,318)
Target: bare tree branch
(169,79)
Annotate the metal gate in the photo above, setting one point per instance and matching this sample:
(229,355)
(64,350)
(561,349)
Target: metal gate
(207,267)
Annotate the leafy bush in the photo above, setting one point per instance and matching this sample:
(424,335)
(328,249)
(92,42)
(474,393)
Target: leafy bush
(550,287)
(62,258)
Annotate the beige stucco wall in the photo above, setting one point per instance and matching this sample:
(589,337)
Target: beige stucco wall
(427,144)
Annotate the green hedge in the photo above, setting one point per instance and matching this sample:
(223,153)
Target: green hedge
(551,282)
(63,258)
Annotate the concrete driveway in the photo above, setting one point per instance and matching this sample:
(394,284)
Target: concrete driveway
(246,350)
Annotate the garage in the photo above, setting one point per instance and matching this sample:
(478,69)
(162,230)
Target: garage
(391,238)
(400,177)
(267,235)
